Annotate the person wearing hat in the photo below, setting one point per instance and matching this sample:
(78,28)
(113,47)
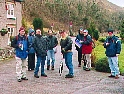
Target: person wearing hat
(20,45)
(31,51)
(113,49)
(66,50)
(79,37)
(86,50)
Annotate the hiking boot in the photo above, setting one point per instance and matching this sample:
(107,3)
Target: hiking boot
(52,68)
(24,78)
(36,76)
(111,76)
(19,80)
(48,67)
(69,76)
(79,65)
(44,75)
(116,77)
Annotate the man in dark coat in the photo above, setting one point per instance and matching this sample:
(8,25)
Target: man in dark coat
(41,47)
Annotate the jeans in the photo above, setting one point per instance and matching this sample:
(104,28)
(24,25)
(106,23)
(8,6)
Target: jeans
(68,62)
(113,64)
(40,60)
(50,54)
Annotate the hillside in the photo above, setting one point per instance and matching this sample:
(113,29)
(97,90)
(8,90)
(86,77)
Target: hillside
(80,12)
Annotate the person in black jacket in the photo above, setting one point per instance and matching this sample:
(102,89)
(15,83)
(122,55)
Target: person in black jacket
(41,46)
(51,49)
(66,50)
(80,38)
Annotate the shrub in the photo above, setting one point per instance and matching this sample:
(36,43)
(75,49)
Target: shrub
(93,58)
(102,65)
(38,24)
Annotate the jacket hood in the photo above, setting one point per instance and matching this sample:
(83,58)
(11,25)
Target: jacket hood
(31,31)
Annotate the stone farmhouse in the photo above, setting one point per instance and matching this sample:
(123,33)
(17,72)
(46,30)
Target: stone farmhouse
(10,20)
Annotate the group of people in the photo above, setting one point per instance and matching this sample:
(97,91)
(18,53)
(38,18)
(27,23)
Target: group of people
(36,44)
(112,45)
(44,47)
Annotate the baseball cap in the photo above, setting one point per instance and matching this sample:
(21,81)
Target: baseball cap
(85,30)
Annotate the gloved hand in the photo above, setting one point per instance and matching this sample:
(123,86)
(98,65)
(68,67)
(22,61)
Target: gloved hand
(63,51)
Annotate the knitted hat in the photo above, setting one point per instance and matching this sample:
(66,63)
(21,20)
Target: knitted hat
(81,29)
(21,28)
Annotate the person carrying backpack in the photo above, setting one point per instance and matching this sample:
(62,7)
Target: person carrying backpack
(20,45)
(113,49)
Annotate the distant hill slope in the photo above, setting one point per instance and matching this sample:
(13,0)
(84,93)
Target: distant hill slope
(60,12)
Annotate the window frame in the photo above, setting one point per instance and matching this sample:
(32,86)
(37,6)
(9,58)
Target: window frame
(10,10)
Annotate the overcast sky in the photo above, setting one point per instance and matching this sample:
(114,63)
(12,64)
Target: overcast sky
(117,2)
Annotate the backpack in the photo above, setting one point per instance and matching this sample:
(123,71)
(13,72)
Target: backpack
(93,43)
(15,38)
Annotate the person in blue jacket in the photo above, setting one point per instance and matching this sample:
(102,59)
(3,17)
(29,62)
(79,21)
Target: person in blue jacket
(113,49)
(31,51)
(20,45)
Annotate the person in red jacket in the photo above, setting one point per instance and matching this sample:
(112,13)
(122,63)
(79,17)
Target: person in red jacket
(86,50)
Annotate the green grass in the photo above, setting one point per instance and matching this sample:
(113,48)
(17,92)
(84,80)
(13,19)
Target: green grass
(100,53)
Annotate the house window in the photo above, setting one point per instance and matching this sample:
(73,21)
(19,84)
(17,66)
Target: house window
(10,10)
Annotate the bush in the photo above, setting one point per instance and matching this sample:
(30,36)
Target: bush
(38,24)
(93,58)
(102,65)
